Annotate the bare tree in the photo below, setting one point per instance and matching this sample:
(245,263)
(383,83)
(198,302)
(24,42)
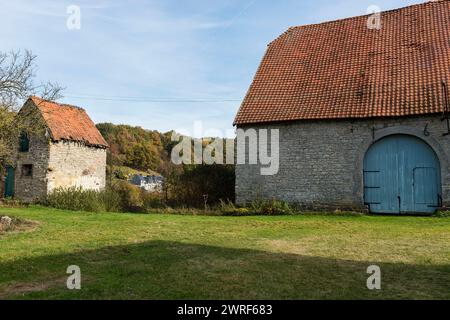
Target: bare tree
(17,83)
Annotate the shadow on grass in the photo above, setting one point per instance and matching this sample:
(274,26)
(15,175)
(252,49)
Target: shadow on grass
(172,270)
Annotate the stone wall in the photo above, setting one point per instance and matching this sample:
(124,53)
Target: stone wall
(321,162)
(73,164)
(34,187)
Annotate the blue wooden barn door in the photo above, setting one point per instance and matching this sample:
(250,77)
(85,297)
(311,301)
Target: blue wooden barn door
(401,175)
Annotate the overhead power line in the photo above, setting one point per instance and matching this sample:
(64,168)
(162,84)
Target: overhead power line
(150,99)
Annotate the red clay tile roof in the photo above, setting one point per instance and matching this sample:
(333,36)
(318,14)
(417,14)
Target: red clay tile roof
(66,122)
(342,69)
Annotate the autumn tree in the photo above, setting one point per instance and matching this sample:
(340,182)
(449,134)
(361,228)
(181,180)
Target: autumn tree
(143,157)
(134,147)
(17,83)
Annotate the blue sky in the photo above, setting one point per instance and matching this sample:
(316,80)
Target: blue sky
(160,64)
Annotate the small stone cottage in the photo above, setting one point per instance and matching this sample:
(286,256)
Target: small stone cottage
(362,113)
(68,152)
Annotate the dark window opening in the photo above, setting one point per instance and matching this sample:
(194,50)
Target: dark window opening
(24,143)
(27,170)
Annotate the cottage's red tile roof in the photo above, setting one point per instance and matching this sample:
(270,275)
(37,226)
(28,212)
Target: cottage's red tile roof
(342,69)
(69,123)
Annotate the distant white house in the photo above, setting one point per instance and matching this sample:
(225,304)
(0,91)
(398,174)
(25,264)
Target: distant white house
(150,183)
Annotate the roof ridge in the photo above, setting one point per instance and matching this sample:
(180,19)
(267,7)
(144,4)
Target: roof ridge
(68,122)
(390,11)
(57,103)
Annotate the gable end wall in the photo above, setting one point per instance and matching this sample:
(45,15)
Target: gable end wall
(73,164)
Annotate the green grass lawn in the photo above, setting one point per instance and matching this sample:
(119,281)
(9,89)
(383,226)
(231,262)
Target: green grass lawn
(127,256)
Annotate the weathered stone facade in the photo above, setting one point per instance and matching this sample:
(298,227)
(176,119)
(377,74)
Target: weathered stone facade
(32,187)
(72,164)
(59,165)
(321,162)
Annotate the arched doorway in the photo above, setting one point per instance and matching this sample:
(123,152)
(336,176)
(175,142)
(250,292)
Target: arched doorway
(402,175)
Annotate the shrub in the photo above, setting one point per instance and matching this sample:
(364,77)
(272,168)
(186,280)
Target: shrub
(120,174)
(152,200)
(275,208)
(111,200)
(11,203)
(129,195)
(121,197)
(271,208)
(77,199)
(238,212)
(202,185)
(228,208)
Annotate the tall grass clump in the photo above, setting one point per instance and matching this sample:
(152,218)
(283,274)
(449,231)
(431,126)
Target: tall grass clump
(260,208)
(77,199)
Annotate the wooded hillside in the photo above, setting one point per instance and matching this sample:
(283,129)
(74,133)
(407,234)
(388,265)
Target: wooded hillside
(136,147)
(149,151)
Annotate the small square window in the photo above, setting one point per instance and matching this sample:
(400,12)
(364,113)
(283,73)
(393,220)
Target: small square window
(27,170)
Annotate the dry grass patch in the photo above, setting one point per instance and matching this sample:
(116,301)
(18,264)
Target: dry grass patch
(18,225)
(24,288)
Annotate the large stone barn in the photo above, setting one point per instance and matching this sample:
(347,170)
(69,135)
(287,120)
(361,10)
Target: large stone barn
(362,113)
(63,150)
